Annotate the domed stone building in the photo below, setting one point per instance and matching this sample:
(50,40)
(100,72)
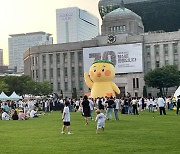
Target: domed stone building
(122,20)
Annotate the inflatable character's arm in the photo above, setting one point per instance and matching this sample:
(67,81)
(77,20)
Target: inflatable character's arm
(115,88)
(88,81)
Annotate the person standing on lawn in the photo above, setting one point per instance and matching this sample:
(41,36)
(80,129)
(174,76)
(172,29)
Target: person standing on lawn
(66,118)
(178,104)
(86,109)
(161,104)
(100,118)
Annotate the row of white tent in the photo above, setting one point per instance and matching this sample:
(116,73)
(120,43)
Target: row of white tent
(13,96)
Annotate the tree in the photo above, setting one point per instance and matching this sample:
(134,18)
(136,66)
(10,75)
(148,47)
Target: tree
(45,88)
(30,87)
(16,83)
(163,78)
(3,87)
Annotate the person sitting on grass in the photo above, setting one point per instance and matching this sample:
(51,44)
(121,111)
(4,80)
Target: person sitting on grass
(21,115)
(66,118)
(5,116)
(15,115)
(100,118)
(33,113)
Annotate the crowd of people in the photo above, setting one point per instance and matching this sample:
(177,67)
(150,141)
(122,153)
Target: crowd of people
(103,107)
(129,105)
(24,109)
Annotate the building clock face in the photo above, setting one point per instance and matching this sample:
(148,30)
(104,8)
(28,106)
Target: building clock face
(111,38)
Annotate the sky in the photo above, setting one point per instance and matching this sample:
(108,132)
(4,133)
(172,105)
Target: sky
(24,16)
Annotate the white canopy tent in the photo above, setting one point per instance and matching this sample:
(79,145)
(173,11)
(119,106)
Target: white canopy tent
(177,92)
(14,96)
(3,96)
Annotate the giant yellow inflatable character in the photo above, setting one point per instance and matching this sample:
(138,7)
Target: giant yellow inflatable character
(100,79)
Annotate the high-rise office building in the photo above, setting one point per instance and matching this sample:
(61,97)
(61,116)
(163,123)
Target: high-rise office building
(19,43)
(1,57)
(74,24)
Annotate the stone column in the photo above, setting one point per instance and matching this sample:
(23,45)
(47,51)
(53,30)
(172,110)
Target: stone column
(69,78)
(153,58)
(171,54)
(76,67)
(40,68)
(161,55)
(62,71)
(54,73)
(47,68)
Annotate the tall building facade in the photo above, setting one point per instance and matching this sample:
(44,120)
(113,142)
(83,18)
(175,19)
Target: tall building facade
(19,43)
(1,57)
(74,24)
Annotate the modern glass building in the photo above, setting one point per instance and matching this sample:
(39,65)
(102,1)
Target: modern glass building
(156,14)
(19,43)
(74,24)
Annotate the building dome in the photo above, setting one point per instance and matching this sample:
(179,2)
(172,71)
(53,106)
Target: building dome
(120,13)
(122,21)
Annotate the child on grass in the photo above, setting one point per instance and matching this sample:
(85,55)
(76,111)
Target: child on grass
(66,118)
(100,118)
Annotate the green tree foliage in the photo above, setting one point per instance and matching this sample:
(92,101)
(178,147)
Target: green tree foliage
(16,83)
(163,78)
(25,85)
(30,87)
(3,87)
(45,88)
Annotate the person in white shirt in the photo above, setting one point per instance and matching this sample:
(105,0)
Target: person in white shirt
(116,108)
(150,105)
(77,104)
(66,118)
(100,118)
(134,105)
(161,104)
(46,105)
(5,116)
(91,105)
(33,113)
(61,105)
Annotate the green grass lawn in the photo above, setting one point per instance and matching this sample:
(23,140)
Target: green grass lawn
(131,134)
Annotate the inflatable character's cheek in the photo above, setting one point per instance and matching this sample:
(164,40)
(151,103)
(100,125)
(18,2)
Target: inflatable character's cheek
(91,73)
(107,73)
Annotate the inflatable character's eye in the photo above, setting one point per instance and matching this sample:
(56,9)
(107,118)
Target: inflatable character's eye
(94,70)
(103,70)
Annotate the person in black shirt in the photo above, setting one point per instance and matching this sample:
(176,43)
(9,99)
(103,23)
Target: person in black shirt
(178,104)
(15,115)
(86,109)
(110,102)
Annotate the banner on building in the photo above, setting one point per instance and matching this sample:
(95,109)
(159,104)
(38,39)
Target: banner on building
(127,58)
